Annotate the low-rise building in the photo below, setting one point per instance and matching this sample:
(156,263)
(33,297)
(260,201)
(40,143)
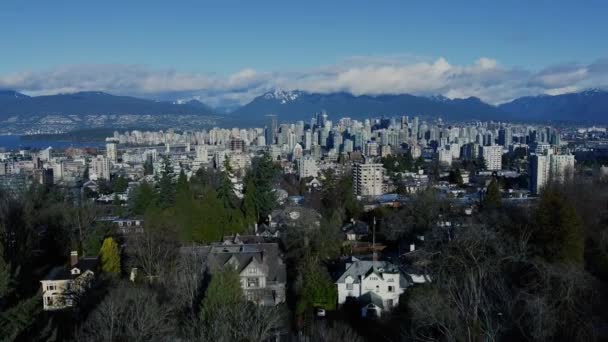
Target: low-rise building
(376,285)
(64,286)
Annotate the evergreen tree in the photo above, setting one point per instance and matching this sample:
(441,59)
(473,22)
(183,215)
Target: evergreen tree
(182,183)
(224,290)
(143,197)
(249,207)
(456,177)
(264,174)
(120,184)
(492,198)
(558,233)
(166,195)
(110,257)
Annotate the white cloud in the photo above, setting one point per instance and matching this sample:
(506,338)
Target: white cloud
(485,78)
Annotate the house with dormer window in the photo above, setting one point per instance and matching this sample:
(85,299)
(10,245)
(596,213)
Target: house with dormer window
(65,285)
(260,267)
(376,285)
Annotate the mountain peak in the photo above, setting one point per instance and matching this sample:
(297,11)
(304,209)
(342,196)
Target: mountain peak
(282,95)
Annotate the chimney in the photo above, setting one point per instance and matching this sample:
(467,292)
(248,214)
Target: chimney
(73,258)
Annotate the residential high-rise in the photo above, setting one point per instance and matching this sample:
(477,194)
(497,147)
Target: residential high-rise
(368,179)
(111,152)
(100,168)
(547,167)
(307,167)
(202,154)
(493,157)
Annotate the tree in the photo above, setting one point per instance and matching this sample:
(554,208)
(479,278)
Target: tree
(558,232)
(154,251)
(224,290)
(129,313)
(182,183)
(226,316)
(456,177)
(110,257)
(143,198)
(492,198)
(166,194)
(263,174)
(248,207)
(318,289)
(120,184)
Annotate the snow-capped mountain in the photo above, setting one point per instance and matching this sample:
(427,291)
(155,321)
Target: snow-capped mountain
(282,96)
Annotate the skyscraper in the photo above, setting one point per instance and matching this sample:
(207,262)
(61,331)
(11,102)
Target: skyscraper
(271,129)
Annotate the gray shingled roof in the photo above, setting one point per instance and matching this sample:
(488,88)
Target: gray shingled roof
(363,267)
(266,254)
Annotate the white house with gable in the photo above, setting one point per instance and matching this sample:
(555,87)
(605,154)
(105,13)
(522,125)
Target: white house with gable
(376,285)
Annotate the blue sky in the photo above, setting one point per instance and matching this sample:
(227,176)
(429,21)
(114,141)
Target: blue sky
(210,43)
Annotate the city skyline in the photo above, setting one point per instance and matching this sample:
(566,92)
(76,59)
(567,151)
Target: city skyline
(223,54)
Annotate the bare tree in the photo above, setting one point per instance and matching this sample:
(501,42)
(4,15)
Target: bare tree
(154,252)
(131,314)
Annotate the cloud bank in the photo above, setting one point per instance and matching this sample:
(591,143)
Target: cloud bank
(485,78)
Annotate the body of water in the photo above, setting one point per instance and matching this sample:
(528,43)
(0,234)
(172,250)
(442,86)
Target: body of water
(15,142)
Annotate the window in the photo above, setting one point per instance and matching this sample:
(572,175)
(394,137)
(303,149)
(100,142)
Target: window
(252,271)
(349,286)
(252,282)
(391,289)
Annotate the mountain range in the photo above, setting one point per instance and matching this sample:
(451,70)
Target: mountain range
(15,104)
(587,106)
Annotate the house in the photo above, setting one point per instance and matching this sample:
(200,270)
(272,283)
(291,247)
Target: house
(355,230)
(64,285)
(130,225)
(376,285)
(262,272)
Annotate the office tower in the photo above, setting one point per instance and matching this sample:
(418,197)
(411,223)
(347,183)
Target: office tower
(271,129)
(368,179)
(348,145)
(111,152)
(492,156)
(323,136)
(505,136)
(336,140)
(307,140)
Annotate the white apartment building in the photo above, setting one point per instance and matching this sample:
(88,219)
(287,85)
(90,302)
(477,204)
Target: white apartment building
(493,157)
(549,166)
(111,151)
(307,167)
(202,154)
(100,168)
(445,156)
(368,179)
